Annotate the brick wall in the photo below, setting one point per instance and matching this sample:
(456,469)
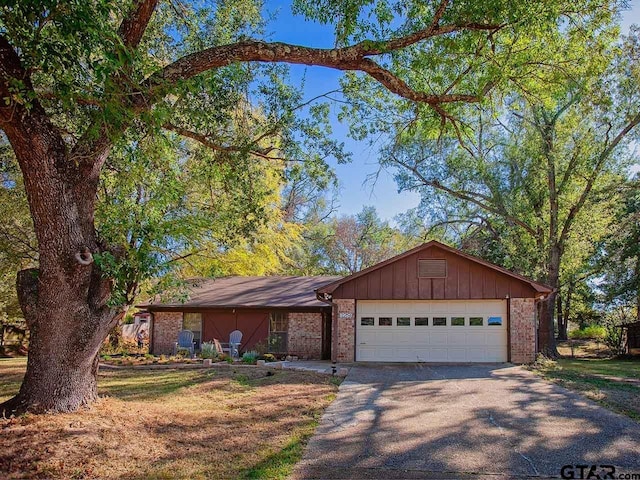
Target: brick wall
(344,330)
(523,330)
(305,335)
(166,326)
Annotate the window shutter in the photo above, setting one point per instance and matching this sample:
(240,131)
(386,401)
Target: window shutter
(432,268)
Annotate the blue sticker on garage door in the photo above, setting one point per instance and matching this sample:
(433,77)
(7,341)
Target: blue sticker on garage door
(494,321)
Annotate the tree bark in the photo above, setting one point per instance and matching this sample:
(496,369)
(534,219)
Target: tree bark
(562,319)
(546,330)
(64,301)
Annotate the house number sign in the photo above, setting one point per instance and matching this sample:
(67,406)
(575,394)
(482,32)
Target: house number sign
(345,315)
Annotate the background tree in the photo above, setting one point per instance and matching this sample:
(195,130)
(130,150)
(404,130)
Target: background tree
(75,78)
(619,256)
(18,248)
(541,175)
(350,243)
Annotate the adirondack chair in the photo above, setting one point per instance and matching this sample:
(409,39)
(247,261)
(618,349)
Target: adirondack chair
(235,338)
(185,342)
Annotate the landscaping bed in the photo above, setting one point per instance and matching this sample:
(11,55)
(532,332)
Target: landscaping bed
(614,383)
(169,423)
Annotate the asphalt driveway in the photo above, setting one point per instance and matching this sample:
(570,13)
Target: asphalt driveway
(466,421)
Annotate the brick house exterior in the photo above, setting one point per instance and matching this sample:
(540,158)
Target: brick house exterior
(344,330)
(305,335)
(432,303)
(165,327)
(522,335)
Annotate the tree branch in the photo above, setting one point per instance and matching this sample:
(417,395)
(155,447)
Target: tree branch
(353,58)
(466,196)
(134,25)
(207,142)
(25,127)
(575,209)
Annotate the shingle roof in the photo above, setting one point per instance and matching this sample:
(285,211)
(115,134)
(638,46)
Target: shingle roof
(251,292)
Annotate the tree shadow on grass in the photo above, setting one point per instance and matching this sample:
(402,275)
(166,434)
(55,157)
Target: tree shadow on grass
(212,427)
(143,385)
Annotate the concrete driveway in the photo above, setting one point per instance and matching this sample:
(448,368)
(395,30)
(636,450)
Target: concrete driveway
(466,421)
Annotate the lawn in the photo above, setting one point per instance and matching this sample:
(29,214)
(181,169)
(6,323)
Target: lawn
(160,424)
(614,383)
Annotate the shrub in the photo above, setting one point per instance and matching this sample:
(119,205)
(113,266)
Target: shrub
(268,357)
(183,352)
(208,350)
(249,357)
(614,340)
(262,347)
(595,332)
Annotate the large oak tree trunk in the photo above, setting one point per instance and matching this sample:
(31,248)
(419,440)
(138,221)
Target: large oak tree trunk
(64,301)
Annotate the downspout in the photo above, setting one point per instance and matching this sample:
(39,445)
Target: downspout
(328,299)
(508,298)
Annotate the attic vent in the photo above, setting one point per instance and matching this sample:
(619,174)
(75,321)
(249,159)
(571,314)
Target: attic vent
(432,268)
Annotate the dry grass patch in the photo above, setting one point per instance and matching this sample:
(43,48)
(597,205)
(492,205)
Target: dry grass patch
(216,423)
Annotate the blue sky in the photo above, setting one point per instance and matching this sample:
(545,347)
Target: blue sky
(355,190)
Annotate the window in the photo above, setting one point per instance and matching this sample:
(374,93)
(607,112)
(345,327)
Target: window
(422,321)
(494,321)
(385,321)
(193,322)
(457,321)
(403,321)
(432,268)
(439,321)
(278,331)
(366,321)
(476,321)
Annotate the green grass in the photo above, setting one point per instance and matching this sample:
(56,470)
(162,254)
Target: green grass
(124,384)
(600,380)
(12,370)
(611,367)
(279,465)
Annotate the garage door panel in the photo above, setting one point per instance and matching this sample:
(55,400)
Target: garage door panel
(432,343)
(455,354)
(495,340)
(405,338)
(495,355)
(477,354)
(437,354)
(438,338)
(456,338)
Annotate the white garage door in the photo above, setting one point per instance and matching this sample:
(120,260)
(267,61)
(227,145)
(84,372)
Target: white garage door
(431,331)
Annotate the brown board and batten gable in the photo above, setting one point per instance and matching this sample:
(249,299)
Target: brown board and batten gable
(434,271)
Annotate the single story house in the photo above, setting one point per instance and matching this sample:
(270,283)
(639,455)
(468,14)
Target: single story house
(432,303)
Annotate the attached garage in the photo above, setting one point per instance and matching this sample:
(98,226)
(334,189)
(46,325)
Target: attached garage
(434,304)
(432,331)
